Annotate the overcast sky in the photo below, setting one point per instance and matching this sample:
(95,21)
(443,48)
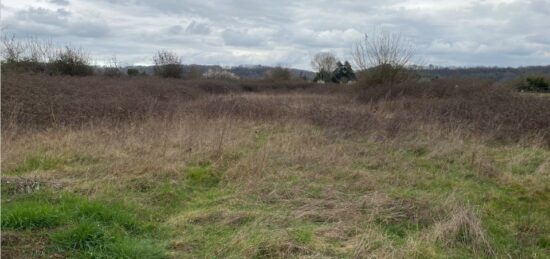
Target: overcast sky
(288,32)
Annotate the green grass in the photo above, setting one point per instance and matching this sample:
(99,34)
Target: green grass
(202,175)
(94,240)
(43,161)
(31,214)
(298,207)
(38,161)
(78,227)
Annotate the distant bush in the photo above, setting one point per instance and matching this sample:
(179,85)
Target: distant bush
(72,62)
(132,72)
(220,75)
(278,74)
(534,84)
(167,64)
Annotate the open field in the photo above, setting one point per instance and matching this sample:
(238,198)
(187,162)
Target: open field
(157,168)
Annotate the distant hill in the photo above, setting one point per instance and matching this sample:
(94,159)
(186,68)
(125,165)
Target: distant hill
(245,72)
(492,73)
(255,72)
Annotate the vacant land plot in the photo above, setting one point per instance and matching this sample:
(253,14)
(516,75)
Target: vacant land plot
(153,168)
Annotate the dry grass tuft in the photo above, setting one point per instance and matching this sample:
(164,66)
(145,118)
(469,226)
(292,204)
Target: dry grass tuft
(462,228)
(373,244)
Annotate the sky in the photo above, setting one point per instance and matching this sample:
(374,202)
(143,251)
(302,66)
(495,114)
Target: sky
(287,32)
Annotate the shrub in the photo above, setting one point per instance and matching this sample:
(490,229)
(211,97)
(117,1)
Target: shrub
(384,74)
(534,84)
(72,62)
(132,72)
(167,64)
(278,74)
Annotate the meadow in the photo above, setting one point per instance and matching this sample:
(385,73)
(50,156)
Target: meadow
(148,167)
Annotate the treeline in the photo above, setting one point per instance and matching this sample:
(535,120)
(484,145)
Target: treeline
(39,56)
(489,73)
(33,55)
(379,59)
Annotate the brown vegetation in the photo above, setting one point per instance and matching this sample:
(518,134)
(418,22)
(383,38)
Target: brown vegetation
(286,169)
(467,107)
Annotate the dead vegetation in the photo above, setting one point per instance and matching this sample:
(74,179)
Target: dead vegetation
(480,108)
(288,169)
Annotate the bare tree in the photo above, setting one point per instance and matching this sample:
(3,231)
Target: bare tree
(29,49)
(384,55)
(167,64)
(12,49)
(324,63)
(112,68)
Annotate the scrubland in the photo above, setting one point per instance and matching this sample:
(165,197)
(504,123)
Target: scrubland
(145,167)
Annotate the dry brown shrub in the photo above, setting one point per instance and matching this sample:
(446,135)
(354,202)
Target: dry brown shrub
(445,107)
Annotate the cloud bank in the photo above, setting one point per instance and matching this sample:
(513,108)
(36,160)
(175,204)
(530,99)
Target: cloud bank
(288,33)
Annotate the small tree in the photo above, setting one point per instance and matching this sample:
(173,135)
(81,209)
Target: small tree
(167,64)
(383,57)
(324,63)
(278,74)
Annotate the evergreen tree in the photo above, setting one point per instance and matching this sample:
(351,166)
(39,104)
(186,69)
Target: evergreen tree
(343,73)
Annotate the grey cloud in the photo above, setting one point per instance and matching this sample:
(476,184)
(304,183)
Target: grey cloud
(541,6)
(59,22)
(59,2)
(176,29)
(88,29)
(539,38)
(43,16)
(241,38)
(454,32)
(197,28)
